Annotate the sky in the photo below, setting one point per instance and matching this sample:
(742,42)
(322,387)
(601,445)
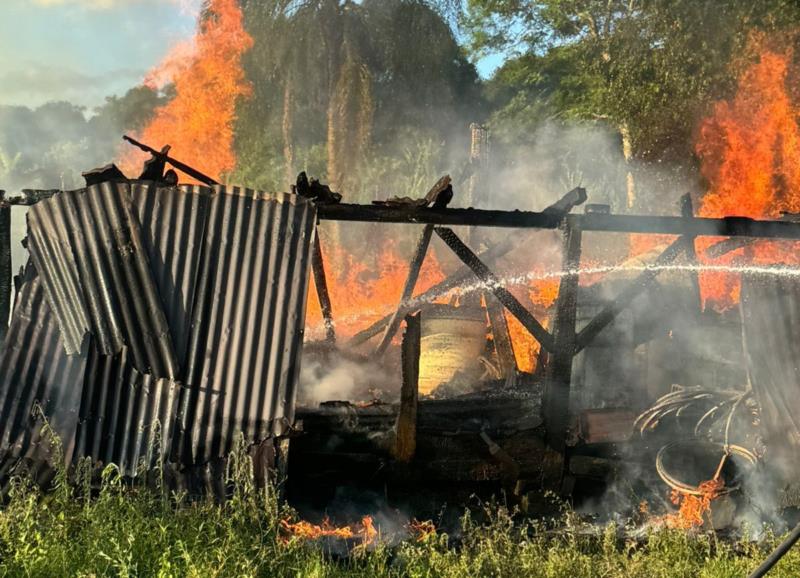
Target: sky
(84,50)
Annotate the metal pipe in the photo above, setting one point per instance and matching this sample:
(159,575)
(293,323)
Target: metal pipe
(777,554)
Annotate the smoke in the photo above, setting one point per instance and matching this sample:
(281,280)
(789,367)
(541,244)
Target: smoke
(333,376)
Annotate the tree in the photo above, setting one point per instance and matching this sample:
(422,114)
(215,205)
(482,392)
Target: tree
(648,67)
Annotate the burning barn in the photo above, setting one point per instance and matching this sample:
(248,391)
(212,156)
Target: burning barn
(156,323)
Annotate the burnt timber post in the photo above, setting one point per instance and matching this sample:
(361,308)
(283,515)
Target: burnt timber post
(687,211)
(5,264)
(555,403)
(321,285)
(406,441)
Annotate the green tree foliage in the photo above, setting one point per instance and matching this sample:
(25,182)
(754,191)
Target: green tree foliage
(343,89)
(650,66)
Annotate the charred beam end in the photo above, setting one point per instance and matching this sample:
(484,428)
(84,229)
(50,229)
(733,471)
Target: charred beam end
(565,204)
(483,273)
(408,289)
(641,284)
(406,441)
(697,227)
(321,286)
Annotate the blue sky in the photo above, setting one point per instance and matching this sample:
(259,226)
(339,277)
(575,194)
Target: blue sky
(84,50)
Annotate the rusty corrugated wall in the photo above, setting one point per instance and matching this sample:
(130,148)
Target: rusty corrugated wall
(217,278)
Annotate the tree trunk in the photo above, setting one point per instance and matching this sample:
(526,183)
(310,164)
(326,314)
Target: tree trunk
(287,128)
(627,152)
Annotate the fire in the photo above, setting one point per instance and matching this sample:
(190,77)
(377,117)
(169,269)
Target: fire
(542,293)
(422,531)
(693,508)
(365,530)
(750,152)
(208,80)
(362,293)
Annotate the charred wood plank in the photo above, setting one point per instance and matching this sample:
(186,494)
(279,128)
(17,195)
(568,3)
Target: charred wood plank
(559,370)
(5,265)
(321,285)
(406,441)
(662,225)
(503,295)
(687,211)
(408,289)
(183,167)
(641,284)
(565,204)
(500,335)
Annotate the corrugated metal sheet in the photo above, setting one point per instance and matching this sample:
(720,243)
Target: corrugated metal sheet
(35,370)
(173,223)
(87,246)
(248,320)
(126,418)
(223,270)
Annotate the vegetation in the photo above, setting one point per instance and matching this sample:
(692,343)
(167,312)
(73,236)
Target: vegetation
(121,529)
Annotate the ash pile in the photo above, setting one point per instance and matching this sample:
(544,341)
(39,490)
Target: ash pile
(154,323)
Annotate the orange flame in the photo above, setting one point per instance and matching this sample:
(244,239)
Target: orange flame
(750,152)
(691,508)
(422,531)
(208,80)
(362,293)
(365,530)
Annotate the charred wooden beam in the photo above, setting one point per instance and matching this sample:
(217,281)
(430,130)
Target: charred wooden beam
(687,211)
(32,196)
(725,227)
(503,295)
(183,167)
(408,289)
(500,335)
(406,441)
(565,204)
(5,265)
(321,285)
(559,370)
(641,284)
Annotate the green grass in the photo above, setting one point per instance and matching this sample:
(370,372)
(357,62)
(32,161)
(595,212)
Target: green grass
(122,530)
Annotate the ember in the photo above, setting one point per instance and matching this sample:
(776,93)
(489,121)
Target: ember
(365,530)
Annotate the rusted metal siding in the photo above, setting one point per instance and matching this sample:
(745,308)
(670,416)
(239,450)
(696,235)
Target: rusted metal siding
(87,246)
(248,320)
